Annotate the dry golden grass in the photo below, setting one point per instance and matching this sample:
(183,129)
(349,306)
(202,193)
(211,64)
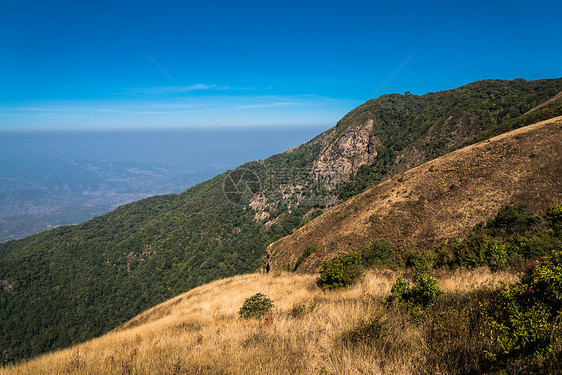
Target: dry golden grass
(199,332)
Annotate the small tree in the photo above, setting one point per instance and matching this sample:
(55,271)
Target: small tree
(255,306)
(423,292)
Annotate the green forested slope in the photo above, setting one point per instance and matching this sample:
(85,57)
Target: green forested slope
(414,129)
(72,283)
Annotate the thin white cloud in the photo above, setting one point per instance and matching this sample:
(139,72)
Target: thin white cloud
(270,105)
(179,90)
(228,87)
(199,86)
(169,90)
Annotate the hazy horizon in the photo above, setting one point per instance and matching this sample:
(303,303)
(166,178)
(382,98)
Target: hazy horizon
(53,178)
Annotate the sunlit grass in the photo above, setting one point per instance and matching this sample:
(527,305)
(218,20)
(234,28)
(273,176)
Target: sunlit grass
(200,332)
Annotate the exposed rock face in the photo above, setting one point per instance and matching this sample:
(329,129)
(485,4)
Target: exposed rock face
(337,160)
(259,204)
(7,285)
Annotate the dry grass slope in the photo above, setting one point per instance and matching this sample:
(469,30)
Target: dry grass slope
(439,199)
(199,332)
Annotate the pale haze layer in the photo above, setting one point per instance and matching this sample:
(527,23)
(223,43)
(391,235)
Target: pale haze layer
(48,179)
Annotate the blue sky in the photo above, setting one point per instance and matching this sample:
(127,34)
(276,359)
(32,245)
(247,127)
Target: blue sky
(181,64)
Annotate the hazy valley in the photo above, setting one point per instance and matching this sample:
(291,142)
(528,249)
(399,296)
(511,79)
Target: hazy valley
(61,178)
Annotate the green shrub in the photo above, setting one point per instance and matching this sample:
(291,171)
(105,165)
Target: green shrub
(446,257)
(543,282)
(422,261)
(339,272)
(496,254)
(377,253)
(255,306)
(538,245)
(423,292)
(523,320)
(479,249)
(512,219)
(399,289)
(554,217)
(470,252)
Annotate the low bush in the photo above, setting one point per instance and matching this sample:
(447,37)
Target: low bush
(538,245)
(255,306)
(496,254)
(423,292)
(512,219)
(340,272)
(523,320)
(554,218)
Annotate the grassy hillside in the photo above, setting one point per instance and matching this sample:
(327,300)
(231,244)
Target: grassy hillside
(200,333)
(456,321)
(73,283)
(438,200)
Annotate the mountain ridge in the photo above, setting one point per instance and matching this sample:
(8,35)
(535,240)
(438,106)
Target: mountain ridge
(73,283)
(522,166)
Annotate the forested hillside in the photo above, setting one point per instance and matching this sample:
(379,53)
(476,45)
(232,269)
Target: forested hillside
(73,283)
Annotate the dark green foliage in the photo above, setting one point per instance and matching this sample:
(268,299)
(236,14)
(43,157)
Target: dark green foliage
(423,292)
(523,320)
(554,217)
(422,261)
(377,253)
(512,219)
(513,234)
(344,269)
(399,291)
(496,254)
(548,112)
(339,272)
(255,306)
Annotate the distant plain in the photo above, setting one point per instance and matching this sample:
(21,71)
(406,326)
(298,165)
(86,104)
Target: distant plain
(48,179)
